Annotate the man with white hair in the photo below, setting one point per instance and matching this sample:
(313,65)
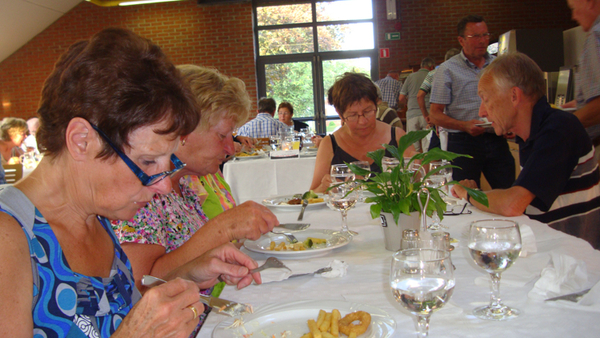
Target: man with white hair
(559,182)
(587,83)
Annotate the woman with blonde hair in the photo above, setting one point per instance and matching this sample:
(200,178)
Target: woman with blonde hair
(13,132)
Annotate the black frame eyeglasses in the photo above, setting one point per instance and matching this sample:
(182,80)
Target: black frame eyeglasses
(366,114)
(463,211)
(139,173)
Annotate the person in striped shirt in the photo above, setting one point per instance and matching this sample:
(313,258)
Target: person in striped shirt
(559,180)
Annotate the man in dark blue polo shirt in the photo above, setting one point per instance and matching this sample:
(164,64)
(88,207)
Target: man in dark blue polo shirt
(559,182)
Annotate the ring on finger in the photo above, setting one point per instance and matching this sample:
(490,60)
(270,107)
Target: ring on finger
(194,310)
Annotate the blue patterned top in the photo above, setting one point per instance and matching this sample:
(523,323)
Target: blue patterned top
(390,90)
(68,304)
(263,125)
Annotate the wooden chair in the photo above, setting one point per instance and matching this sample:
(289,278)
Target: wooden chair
(12,172)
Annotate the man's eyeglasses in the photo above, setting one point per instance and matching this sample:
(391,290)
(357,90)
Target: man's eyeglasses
(139,173)
(458,210)
(485,36)
(366,114)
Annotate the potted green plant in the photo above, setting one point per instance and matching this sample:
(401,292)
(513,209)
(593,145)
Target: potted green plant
(397,191)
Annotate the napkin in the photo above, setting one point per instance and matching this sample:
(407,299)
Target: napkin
(528,244)
(338,269)
(564,274)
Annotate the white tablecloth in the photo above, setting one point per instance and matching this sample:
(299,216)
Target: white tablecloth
(368,272)
(265,177)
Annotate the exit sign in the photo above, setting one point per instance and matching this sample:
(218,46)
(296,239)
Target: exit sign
(392,36)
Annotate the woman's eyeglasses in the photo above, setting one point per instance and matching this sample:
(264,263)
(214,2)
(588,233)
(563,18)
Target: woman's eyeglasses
(366,114)
(458,210)
(146,179)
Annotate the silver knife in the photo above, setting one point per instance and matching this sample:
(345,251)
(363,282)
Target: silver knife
(572,297)
(222,306)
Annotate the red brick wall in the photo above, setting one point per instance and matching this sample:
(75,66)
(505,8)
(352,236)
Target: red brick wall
(220,36)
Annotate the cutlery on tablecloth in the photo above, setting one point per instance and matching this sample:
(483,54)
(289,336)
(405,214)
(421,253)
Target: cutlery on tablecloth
(222,306)
(572,297)
(318,272)
(271,262)
(304,204)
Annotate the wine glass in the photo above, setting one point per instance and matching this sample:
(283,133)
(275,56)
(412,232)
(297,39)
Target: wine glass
(435,181)
(343,197)
(447,172)
(494,245)
(363,165)
(341,173)
(422,281)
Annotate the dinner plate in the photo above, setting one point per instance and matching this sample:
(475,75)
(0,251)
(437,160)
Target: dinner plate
(248,157)
(335,239)
(271,320)
(274,202)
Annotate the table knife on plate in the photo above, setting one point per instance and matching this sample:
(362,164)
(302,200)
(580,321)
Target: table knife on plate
(572,297)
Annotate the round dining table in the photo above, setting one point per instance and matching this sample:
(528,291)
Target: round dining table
(366,282)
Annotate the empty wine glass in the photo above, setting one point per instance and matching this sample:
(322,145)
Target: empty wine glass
(447,172)
(363,165)
(341,173)
(422,281)
(435,181)
(343,197)
(494,245)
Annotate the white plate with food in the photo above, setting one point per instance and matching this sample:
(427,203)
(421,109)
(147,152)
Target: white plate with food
(249,156)
(289,202)
(333,240)
(292,318)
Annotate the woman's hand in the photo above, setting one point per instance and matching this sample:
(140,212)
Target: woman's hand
(316,140)
(224,262)
(247,142)
(248,220)
(164,311)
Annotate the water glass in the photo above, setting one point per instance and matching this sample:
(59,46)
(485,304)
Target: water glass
(275,142)
(341,173)
(422,281)
(410,239)
(343,197)
(389,163)
(494,245)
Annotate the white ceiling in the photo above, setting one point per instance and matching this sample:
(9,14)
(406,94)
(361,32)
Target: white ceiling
(22,20)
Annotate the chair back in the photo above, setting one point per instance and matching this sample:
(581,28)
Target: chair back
(12,172)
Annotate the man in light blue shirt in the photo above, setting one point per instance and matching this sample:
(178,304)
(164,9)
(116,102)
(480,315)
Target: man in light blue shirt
(390,88)
(263,125)
(454,91)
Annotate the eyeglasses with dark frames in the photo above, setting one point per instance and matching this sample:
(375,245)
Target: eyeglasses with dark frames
(463,211)
(139,173)
(366,114)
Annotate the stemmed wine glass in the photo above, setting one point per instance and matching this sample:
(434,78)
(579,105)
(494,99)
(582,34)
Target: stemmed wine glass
(341,173)
(422,281)
(494,245)
(363,165)
(343,197)
(447,172)
(435,181)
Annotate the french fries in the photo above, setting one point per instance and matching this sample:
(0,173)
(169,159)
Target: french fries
(327,325)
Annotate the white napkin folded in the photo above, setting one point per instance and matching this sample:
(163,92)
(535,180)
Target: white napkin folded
(338,269)
(563,275)
(528,245)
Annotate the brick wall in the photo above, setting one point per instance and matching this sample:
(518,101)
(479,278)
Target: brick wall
(220,36)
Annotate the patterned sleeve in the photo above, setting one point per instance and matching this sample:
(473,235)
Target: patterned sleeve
(144,228)
(244,130)
(441,86)
(426,85)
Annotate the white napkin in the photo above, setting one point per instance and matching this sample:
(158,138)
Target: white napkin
(563,275)
(528,244)
(339,269)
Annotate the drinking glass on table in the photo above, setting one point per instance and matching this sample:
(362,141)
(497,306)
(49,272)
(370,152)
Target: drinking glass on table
(422,281)
(341,173)
(494,245)
(435,181)
(447,172)
(275,142)
(363,165)
(343,197)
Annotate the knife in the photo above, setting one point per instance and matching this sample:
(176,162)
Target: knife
(222,306)
(572,297)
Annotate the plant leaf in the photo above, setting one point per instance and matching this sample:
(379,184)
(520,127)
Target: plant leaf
(478,196)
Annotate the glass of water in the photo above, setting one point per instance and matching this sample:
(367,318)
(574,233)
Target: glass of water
(341,173)
(422,281)
(494,245)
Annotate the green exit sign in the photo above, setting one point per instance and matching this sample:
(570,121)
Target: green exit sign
(392,36)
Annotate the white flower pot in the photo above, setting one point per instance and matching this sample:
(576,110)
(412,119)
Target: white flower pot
(392,232)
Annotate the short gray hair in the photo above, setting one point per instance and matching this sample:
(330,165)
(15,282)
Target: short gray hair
(428,63)
(451,52)
(517,70)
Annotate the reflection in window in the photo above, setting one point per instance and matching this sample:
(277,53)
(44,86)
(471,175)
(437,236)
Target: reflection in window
(334,68)
(285,41)
(344,10)
(291,82)
(354,36)
(281,15)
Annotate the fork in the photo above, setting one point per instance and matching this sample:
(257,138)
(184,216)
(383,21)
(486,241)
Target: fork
(271,262)
(291,238)
(318,272)
(304,204)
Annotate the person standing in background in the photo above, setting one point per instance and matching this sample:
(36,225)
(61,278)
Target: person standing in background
(455,106)
(423,100)
(587,84)
(390,88)
(408,98)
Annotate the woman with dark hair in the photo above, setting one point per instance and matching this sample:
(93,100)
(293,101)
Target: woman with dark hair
(354,97)
(285,112)
(112,113)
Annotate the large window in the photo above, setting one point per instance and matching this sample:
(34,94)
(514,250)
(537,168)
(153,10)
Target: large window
(302,46)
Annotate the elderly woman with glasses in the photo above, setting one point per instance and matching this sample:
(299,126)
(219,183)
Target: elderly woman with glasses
(354,97)
(112,114)
(177,227)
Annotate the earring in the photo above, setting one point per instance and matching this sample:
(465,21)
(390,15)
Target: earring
(183,142)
